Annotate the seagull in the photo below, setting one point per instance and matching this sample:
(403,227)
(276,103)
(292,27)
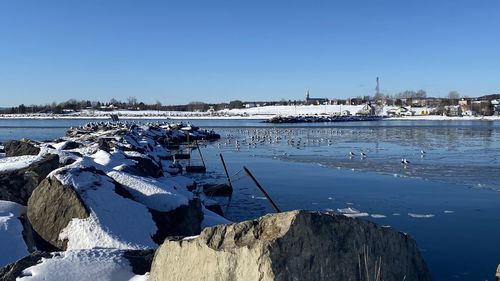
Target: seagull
(422,152)
(351,153)
(363,154)
(404,161)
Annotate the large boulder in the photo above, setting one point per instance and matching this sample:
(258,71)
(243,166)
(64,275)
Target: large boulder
(82,208)
(20,147)
(17,185)
(297,245)
(51,207)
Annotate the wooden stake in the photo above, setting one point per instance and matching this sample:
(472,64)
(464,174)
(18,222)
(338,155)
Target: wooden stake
(262,190)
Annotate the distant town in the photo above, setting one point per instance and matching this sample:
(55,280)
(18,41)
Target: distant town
(406,103)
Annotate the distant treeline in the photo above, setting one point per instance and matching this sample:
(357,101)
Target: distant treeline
(73,105)
(405,98)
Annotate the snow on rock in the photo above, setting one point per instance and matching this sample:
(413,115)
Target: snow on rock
(114,221)
(17,162)
(152,193)
(22,174)
(95,264)
(12,244)
(111,159)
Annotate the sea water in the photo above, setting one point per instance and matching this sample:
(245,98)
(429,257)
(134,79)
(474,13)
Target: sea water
(447,197)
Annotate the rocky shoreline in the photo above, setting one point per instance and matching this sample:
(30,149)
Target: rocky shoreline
(321,118)
(100,202)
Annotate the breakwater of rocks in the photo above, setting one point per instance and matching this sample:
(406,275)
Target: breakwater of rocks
(321,118)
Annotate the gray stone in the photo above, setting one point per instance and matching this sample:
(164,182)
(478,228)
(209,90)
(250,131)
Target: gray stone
(145,167)
(183,221)
(51,207)
(20,148)
(498,272)
(17,186)
(140,260)
(297,245)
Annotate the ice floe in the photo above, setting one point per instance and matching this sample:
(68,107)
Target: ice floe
(425,216)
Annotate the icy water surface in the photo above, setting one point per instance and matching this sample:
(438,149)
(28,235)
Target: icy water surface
(447,197)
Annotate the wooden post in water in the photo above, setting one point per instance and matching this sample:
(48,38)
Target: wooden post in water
(199,151)
(225,170)
(262,189)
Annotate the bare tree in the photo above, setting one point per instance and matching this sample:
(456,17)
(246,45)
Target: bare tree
(132,101)
(421,94)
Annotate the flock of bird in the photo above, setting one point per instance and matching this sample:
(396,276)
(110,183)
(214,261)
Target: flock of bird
(298,138)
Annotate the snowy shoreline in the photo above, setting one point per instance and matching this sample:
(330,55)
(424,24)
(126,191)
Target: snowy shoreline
(254,113)
(236,117)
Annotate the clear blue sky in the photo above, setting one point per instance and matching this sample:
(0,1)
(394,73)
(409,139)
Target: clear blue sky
(214,51)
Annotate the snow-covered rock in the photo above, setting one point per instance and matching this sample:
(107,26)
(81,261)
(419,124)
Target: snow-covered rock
(81,207)
(297,245)
(20,175)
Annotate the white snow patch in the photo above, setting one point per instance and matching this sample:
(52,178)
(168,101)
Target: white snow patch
(11,238)
(111,160)
(449,212)
(190,237)
(158,195)
(378,216)
(97,264)
(17,162)
(132,153)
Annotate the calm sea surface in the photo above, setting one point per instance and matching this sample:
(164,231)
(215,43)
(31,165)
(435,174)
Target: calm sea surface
(447,198)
